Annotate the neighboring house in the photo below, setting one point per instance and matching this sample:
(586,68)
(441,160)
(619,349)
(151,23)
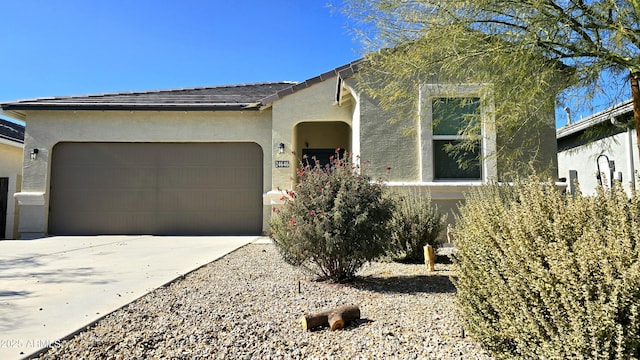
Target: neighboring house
(213,161)
(11,146)
(598,149)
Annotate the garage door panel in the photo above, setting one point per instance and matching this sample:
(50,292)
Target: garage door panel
(109,200)
(209,200)
(93,177)
(156,188)
(225,223)
(190,177)
(103,223)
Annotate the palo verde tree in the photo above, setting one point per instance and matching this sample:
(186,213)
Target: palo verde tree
(528,50)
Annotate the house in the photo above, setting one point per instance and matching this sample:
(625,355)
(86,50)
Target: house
(599,149)
(214,160)
(11,146)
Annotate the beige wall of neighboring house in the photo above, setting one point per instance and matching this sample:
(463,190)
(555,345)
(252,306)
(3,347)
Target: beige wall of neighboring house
(11,168)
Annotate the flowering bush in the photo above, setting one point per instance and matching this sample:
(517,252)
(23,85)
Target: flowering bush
(335,221)
(542,275)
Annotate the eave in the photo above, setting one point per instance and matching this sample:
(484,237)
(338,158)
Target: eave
(16,110)
(597,118)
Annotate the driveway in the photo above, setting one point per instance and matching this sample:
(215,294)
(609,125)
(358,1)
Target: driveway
(53,287)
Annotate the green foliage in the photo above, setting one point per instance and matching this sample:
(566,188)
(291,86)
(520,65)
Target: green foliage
(415,223)
(546,275)
(334,222)
(524,53)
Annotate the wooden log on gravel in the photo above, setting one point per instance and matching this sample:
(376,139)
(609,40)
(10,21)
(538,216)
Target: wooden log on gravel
(336,318)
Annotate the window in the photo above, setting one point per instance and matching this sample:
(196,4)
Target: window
(447,110)
(450,116)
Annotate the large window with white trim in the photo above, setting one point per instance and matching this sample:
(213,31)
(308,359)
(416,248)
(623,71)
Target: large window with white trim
(450,152)
(453,158)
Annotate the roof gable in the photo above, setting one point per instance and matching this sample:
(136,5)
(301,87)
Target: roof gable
(341,72)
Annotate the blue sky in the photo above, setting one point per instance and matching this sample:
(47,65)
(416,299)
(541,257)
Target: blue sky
(77,47)
(80,47)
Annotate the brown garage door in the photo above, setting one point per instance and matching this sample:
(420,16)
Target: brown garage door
(156,188)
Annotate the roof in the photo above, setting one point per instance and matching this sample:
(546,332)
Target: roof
(595,119)
(598,126)
(11,131)
(229,97)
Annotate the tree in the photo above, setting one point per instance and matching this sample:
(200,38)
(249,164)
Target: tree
(529,50)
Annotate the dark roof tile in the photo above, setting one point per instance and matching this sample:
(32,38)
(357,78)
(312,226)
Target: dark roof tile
(235,97)
(11,131)
(229,97)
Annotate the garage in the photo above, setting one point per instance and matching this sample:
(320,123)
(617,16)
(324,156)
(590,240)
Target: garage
(156,188)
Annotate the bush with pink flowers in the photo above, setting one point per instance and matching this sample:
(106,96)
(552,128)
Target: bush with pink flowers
(334,221)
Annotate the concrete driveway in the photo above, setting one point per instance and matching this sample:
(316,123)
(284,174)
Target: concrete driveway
(53,287)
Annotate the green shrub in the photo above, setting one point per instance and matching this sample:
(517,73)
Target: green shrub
(416,222)
(544,275)
(334,222)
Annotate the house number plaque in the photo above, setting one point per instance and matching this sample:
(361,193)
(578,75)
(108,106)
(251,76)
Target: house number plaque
(282,163)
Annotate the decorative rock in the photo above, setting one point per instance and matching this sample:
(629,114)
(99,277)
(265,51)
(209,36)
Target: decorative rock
(244,306)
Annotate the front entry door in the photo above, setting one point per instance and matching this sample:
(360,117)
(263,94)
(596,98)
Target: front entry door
(322,156)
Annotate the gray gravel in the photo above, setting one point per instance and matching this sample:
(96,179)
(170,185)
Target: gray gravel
(248,305)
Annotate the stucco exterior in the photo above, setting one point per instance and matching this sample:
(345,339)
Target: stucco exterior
(11,168)
(580,164)
(585,147)
(47,128)
(326,112)
(313,105)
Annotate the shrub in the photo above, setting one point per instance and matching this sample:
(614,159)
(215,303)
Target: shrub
(416,222)
(334,222)
(544,275)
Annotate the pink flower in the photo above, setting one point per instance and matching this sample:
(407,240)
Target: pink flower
(312,212)
(290,221)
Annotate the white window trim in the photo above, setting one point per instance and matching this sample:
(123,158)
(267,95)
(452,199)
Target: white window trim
(489,169)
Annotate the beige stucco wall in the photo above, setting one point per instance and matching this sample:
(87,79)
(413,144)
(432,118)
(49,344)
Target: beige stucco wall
(322,135)
(11,167)
(47,128)
(398,146)
(539,132)
(313,104)
(371,136)
(386,145)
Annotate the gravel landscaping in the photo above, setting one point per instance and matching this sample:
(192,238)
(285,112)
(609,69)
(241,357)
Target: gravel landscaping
(248,305)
